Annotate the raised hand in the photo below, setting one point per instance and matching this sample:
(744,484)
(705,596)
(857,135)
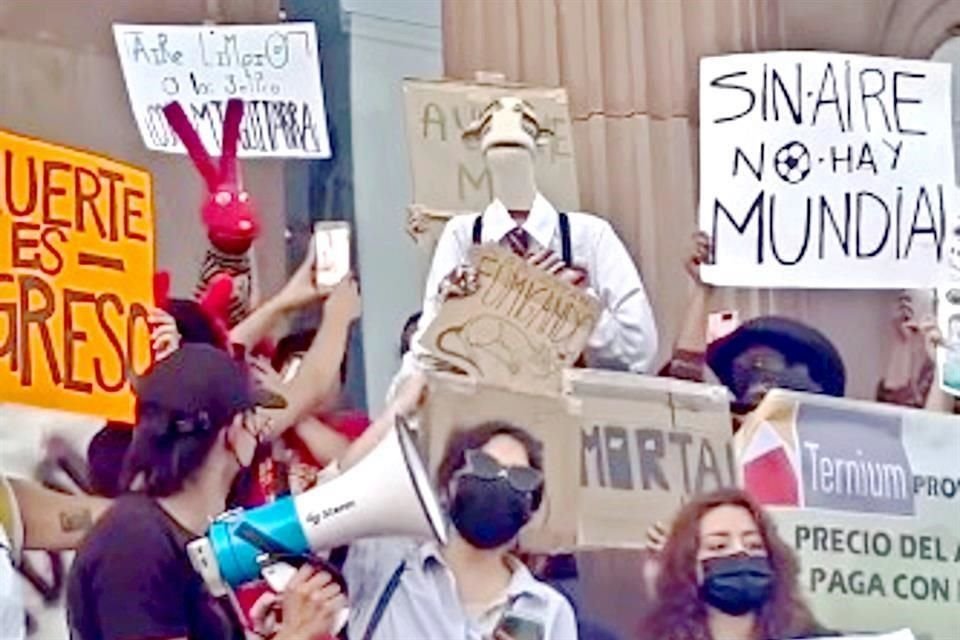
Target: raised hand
(164,335)
(302,288)
(701,252)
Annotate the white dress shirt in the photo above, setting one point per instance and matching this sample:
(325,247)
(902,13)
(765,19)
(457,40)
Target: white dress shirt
(625,337)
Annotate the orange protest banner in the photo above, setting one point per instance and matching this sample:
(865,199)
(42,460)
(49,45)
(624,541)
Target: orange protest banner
(76,277)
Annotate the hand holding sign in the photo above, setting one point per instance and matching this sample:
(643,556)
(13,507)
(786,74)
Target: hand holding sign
(700,254)
(164,335)
(460,283)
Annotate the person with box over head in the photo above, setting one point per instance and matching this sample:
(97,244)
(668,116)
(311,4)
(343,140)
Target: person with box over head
(579,248)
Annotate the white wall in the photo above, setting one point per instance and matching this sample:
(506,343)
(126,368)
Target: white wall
(390,40)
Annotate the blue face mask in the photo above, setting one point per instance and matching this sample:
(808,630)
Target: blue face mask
(737,584)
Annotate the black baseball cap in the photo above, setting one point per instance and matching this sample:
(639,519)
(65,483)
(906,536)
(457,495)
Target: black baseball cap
(199,378)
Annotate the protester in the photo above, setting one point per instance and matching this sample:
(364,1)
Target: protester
(578,248)
(197,429)
(490,480)
(762,354)
(294,460)
(317,377)
(725,574)
(34,517)
(181,322)
(910,369)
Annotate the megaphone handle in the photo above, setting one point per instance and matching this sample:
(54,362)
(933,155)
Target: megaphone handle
(298,560)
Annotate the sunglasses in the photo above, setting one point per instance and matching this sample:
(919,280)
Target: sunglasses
(484,466)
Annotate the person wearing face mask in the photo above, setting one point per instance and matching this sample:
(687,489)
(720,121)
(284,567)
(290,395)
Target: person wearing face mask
(727,575)
(762,354)
(197,429)
(491,482)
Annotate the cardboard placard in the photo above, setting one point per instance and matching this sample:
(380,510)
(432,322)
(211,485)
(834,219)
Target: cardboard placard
(273,68)
(519,330)
(76,277)
(825,170)
(450,176)
(621,451)
(455,404)
(646,446)
(868,495)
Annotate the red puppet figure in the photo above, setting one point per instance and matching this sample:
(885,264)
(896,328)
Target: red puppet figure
(227,212)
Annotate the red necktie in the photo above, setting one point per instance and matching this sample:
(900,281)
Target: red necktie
(518,241)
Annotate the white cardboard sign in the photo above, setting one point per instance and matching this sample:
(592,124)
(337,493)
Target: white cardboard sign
(274,68)
(825,170)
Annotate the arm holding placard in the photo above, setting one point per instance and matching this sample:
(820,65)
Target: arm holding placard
(910,370)
(688,361)
(449,276)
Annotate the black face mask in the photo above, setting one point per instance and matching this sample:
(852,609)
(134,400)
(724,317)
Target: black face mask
(488,513)
(737,584)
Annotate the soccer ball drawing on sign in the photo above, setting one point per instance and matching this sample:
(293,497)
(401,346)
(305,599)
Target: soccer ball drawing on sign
(792,162)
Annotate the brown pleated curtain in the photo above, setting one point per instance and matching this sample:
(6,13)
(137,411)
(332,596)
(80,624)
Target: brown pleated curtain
(630,68)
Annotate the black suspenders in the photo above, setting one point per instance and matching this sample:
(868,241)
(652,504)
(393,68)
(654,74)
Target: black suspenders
(566,247)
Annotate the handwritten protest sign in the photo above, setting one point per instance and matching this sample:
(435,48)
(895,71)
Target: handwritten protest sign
(76,273)
(621,451)
(825,170)
(274,68)
(868,495)
(449,174)
(646,446)
(519,330)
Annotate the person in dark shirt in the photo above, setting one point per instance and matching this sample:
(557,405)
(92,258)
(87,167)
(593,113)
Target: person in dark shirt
(197,428)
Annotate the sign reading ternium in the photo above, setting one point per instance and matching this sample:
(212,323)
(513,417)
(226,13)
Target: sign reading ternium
(825,170)
(519,330)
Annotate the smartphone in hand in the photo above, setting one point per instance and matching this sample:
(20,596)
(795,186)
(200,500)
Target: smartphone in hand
(517,627)
(332,242)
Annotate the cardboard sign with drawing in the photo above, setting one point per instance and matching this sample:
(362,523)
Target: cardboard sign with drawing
(519,330)
(449,173)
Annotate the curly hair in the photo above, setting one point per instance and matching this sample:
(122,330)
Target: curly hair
(680,614)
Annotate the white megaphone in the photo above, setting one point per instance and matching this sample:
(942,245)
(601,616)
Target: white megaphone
(387,493)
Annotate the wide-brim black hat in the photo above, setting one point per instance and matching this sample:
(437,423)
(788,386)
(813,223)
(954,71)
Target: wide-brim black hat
(795,340)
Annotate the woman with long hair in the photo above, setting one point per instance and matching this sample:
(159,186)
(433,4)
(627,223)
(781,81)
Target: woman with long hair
(725,574)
